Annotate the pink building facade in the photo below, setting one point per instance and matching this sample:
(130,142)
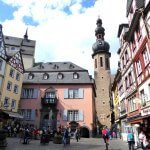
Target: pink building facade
(59,94)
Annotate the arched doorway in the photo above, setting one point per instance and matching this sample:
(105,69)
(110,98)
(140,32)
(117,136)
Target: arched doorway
(84,131)
(73,126)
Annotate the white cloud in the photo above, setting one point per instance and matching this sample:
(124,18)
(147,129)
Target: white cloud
(62,37)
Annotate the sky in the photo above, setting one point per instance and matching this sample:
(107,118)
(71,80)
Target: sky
(64,30)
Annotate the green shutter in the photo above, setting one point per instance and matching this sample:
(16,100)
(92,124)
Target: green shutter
(81,93)
(65,115)
(35,93)
(81,117)
(33,114)
(65,93)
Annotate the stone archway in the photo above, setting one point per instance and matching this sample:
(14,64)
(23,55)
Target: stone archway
(73,126)
(84,131)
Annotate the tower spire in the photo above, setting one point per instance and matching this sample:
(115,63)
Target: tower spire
(26,34)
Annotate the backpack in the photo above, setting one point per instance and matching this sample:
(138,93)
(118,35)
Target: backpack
(130,137)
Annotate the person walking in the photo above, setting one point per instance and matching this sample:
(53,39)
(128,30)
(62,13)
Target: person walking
(130,139)
(105,136)
(77,134)
(65,136)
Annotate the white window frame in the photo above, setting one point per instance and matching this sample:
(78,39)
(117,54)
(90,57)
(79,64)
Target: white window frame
(73,115)
(145,57)
(13,104)
(12,73)
(28,93)
(18,76)
(9,86)
(6,102)
(16,89)
(139,67)
(28,114)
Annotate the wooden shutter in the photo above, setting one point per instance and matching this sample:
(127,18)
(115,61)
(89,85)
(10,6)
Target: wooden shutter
(33,114)
(65,115)
(65,93)
(81,117)
(81,93)
(35,93)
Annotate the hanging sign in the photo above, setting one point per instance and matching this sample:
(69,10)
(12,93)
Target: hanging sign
(145,111)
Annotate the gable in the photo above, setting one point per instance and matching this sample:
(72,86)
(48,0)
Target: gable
(16,62)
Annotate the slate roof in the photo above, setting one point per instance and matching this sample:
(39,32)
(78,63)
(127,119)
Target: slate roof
(27,46)
(53,69)
(139,4)
(9,40)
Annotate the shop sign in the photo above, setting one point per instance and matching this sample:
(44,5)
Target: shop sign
(145,112)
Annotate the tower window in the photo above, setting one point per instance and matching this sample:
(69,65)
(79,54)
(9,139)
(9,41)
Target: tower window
(95,63)
(101,61)
(107,63)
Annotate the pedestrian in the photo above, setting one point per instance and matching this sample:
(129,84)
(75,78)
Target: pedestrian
(105,135)
(141,138)
(130,139)
(145,142)
(77,134)
(114,134)
(65,136)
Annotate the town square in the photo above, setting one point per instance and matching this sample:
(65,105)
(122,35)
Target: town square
(75,74)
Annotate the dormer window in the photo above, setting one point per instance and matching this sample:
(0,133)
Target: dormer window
(13,48)
(71,66)
(75,76)
(30,76)
(60,76)
(55,67)
(45,76)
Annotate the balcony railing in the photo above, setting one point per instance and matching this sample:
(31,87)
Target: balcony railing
(48,101)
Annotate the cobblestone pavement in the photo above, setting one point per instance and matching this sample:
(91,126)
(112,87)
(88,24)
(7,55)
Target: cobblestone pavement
(83,144)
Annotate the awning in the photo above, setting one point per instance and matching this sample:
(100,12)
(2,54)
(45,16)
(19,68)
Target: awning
(3,115)
(14,114)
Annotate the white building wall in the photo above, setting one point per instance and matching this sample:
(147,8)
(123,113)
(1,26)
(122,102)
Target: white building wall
(146,87)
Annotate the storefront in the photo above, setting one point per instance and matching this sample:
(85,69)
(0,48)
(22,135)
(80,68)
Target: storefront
(145,126)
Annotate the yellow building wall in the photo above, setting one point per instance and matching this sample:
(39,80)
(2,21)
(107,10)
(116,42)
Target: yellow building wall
(116,102)
(10,94)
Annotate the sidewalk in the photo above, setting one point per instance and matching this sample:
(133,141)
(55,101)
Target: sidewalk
(118,144)
(83,144)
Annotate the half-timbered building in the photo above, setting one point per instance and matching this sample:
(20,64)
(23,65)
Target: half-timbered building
(24,45)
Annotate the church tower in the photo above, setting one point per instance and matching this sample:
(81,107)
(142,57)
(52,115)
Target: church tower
(101,56)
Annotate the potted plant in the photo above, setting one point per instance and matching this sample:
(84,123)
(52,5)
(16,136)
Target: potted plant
(57,139)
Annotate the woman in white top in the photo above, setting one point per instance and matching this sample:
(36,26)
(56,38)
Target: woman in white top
(142,138)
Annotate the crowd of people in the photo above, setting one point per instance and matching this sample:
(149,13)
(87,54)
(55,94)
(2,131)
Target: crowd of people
(107,135)
(26,133)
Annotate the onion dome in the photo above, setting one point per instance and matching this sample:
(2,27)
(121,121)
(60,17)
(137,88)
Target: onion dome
(100,45)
